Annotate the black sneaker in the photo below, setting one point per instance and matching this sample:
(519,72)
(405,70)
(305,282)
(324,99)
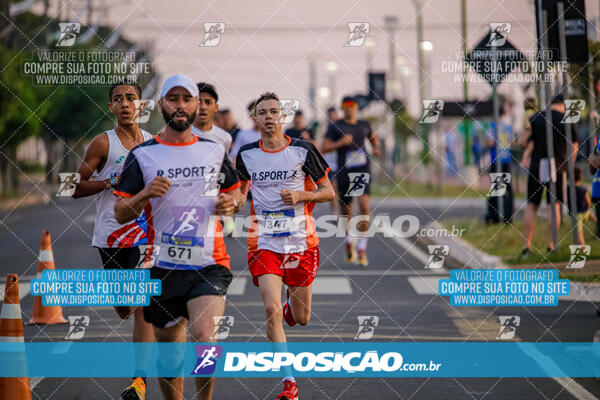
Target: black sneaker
(524,253)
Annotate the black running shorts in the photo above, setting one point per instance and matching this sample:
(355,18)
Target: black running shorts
(181,286)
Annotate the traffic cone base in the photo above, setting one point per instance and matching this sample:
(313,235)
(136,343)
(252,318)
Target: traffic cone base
(48,315)
(11,331)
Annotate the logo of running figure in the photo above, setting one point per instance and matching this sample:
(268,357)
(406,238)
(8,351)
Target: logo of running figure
(508,327)
(579,253)
(77,325)
(68,33)
(212,183)
(143,109)
(148,254)
(357,35)
(207,359)
(573,109)
(288,109)
(498,34)
(358,183)
(187,220)
(499,183)
(437,255)
(432,109)
(291,258)
(68,182)
(223,325)
(366,326)
(212,33)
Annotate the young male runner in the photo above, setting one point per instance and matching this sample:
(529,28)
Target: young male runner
(172,178)
(100,171)
(347,136)
(288,176)
(207,108)
(203,127)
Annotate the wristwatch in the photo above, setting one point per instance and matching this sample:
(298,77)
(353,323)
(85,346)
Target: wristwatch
(113,181)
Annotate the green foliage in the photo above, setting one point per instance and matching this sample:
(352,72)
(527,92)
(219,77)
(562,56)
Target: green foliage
(22,105)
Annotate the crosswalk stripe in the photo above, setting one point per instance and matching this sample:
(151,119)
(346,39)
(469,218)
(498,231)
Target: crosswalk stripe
(425,284)
(237,286)
(331,285)
(321,286)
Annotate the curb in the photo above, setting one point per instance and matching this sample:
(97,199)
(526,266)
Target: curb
(468,256)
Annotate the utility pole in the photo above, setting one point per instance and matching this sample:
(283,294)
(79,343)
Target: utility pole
(466,120)
(424,127)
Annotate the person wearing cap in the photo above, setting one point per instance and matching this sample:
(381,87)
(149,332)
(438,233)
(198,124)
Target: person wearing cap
(348,136)
(541,169)
(100,170)
(181,181)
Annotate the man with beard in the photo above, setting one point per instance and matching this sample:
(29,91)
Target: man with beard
(117,243)
(171,178)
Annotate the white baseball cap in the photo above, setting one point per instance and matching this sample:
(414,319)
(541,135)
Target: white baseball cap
(179,80)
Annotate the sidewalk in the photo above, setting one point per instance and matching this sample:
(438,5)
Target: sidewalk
(33,190)
(467,256)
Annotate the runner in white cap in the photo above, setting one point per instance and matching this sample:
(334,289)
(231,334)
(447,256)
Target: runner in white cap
(170,177)
(118,244)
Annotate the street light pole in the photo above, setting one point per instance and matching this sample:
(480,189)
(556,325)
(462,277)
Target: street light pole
(424,127)
(466,120)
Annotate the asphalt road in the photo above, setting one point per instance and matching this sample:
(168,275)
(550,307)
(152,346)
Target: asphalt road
(395,287)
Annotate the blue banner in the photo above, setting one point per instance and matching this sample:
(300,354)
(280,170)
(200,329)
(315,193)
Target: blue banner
(319,360)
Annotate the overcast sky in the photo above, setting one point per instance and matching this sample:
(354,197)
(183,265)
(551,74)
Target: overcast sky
(267,44)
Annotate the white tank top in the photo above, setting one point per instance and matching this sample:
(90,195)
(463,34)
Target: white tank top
(107,231)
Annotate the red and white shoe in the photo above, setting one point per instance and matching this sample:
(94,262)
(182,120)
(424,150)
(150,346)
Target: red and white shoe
(290,391)
(287,310)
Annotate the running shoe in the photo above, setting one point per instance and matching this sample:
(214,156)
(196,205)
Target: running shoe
(362,258)
(135,391)
(287,310)
(290,391)
(350,253)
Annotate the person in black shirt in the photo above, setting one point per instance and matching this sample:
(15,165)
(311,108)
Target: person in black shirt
(348,137)
(299,130)
(540,168)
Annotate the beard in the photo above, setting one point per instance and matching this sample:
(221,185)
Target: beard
(179,126)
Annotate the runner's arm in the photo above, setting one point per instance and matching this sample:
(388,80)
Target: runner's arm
(525,135)
(95,158)
(375,143)
(329,145)
(230,196)
(133,194)
(244,187)
(334,139)
(129,208)
(244,177)
(323,193)
(315,167)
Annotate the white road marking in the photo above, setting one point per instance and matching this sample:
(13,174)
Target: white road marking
(330,285)
(237,286)
(569,384)
(412,249)
(33,382)
(427,285)
(321,286)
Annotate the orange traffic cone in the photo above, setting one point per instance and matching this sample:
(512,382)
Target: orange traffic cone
(11,331)
(46,314)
